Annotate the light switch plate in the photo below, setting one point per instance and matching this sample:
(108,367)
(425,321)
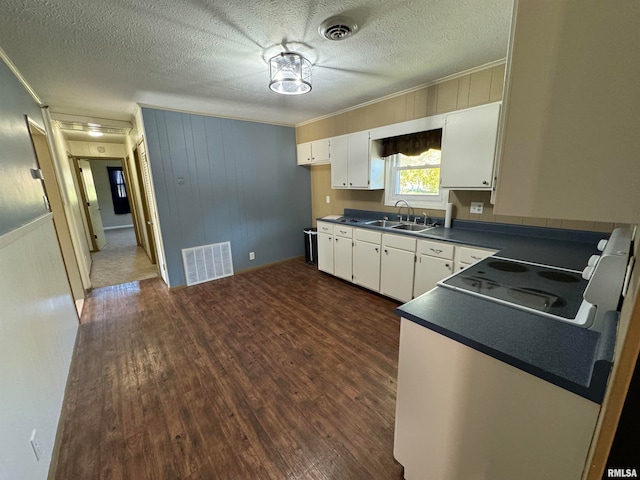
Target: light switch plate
(477,207)
(328,199)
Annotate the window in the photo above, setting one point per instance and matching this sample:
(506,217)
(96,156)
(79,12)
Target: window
(416,179)
(118,191)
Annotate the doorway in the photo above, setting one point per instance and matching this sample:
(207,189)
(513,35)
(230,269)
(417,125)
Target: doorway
(53,198)
(117,255)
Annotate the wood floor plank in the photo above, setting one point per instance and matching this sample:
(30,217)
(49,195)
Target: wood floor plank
(278,373)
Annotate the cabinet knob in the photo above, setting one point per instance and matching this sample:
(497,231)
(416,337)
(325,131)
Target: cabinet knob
(485,182)
(377,250)
(386,251)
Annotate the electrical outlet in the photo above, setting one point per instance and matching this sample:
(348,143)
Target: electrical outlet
(477,207)
(252,255)
(328,199)
(36,445)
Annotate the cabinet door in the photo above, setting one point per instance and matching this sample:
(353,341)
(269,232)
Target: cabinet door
(320,151)
(342,258)
(429,271)
(396,273)
(325,252)
(366,265)
(553,162)
(339,158)
(304,153)
(469,147)
(358,165)
(471,255)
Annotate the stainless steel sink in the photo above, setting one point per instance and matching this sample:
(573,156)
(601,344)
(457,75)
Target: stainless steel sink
(412,227)
(384,223)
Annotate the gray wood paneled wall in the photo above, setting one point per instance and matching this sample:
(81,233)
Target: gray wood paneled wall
(220,180)
(21,197)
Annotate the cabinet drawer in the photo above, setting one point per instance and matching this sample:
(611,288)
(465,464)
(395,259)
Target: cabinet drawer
(368,236)
(342,231)
(325,228)
(435,249)
(472,255)
(399,242)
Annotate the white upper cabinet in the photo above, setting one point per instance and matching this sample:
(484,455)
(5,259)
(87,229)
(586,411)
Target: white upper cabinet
(340,161)
(355,163)
(469,147)
(570,145)
(314,153)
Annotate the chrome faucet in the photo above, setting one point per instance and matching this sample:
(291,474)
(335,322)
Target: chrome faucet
(409,208)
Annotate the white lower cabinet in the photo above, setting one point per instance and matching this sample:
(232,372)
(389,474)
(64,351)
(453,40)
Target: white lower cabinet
(343,252)
(366,258)
(396,266)
(433,263)
(325,247)
(462,414)
(466,256)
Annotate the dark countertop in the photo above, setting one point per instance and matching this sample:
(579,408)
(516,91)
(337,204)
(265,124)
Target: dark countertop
(572,357)
(547,246)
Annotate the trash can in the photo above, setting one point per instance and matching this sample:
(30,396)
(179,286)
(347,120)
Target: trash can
(311,245)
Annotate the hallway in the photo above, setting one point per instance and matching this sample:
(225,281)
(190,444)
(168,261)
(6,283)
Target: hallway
(120,260)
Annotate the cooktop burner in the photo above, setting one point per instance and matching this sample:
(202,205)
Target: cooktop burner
(536,299)
(508,266)
(478,283)
(553,291)
(557,276)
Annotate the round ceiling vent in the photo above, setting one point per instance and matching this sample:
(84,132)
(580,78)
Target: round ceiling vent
(337,28)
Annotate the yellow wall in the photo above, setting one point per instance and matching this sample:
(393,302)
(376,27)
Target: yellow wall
(466,90)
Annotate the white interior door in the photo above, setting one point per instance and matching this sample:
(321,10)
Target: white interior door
(92,202)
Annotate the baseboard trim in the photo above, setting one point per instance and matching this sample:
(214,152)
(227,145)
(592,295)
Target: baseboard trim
(118,227)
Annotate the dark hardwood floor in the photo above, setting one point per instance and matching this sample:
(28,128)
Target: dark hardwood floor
(278,373)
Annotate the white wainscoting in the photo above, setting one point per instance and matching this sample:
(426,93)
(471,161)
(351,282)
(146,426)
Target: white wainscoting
(38,327)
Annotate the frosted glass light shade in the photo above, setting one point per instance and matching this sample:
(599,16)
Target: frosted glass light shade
(290,74)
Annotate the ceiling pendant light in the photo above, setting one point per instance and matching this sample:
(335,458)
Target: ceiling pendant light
(290,74)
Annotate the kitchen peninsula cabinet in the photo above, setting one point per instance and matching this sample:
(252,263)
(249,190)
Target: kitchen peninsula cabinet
(355,164)
(366,258)
(569,145)
(396,266)
(469,147)
(462,414)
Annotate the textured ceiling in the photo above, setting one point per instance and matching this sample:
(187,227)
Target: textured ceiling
(101,57)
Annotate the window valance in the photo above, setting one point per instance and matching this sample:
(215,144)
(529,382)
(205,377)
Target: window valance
(412,143)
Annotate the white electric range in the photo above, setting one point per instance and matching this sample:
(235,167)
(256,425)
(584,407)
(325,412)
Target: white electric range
(578,297)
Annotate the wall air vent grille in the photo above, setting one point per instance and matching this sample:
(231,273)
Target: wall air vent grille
(208,262)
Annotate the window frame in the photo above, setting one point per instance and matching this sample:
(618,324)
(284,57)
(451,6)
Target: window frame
(392,168)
